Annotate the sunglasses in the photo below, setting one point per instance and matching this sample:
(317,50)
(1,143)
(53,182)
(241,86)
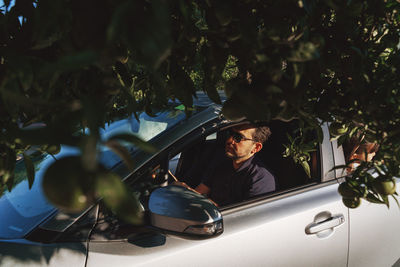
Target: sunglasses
(237,137)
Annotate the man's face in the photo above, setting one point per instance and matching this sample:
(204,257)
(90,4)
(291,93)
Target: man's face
(244,149)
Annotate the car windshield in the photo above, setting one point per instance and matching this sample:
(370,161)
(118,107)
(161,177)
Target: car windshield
(146,128)
(22,209)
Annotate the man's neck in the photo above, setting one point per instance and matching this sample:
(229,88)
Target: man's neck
(239,162)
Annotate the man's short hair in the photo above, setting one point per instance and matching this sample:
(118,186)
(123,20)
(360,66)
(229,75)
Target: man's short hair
(261,133)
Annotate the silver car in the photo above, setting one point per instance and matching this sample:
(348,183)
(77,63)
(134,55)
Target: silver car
(302,223)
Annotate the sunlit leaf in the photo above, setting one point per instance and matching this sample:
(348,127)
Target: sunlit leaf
(53,149)
(386,200)
(306,168)
(305,52)
(123,74)
(372,198)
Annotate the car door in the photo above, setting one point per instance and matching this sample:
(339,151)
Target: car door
(302,226)
(272,233)
(373,230)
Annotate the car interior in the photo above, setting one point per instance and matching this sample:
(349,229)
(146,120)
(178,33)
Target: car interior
(205,154)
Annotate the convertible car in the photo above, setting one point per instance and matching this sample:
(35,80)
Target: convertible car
(302,223)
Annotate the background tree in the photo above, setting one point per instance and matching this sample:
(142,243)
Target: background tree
(69,64)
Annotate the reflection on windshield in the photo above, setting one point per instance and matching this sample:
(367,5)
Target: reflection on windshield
(146,128)
(22,209)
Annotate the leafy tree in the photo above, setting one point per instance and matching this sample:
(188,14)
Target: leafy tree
(68,64)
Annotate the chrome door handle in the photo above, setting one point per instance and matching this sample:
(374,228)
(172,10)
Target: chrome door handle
(329,223)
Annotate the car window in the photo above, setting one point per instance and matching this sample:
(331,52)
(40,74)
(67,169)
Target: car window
(289,173)
(200,158)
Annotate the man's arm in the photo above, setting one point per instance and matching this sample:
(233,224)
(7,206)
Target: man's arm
(201,188)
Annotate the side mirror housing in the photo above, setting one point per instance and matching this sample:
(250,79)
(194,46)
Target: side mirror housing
(180,210)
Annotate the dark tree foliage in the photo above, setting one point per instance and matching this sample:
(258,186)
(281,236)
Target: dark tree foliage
(69,64)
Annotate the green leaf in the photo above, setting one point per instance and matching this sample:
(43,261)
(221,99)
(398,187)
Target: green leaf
(320,134)
(298,72)
(182,85)
(386,200)
(353,131)
(341,140)
(45,136)
(338,167)
(306,168)
(213,94)
(132,105)
(373,199)
(122,152)
(9,180)
(305,52)
(52,149)
(30,169)
(8,167)
(232,109)
(180,107)
(118,198)
(68,185)
(123,74)
(89,153)
(73,62)
(397,201)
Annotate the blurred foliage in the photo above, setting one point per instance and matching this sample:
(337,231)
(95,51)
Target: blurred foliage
(68,64)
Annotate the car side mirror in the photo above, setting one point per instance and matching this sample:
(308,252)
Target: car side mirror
(180,210)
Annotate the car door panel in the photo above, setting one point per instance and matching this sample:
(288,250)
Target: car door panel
(266,234)
(273,234)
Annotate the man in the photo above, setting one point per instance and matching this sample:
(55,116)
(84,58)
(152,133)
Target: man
(241,175)
(356,150)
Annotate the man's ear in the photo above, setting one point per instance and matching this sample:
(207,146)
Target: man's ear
(257,147)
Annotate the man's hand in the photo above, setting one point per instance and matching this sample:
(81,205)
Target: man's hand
(185,185)
(201,187)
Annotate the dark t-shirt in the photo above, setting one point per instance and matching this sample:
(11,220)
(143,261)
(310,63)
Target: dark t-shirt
(230,186)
